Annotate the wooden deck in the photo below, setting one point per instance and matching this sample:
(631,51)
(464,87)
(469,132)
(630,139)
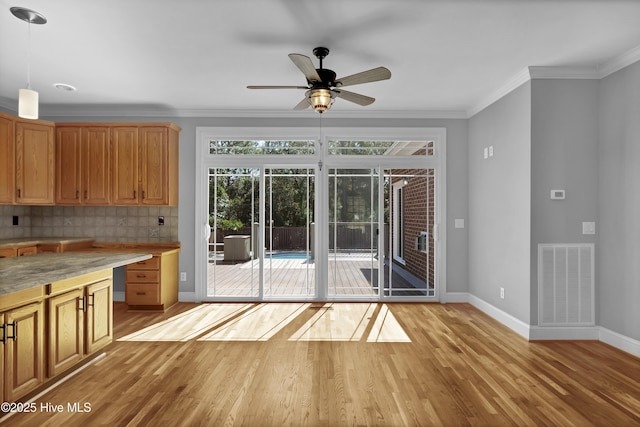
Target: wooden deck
(349,276)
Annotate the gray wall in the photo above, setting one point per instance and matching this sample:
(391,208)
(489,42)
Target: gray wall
(564,152)
(499,203)
(457,196)
(618,296)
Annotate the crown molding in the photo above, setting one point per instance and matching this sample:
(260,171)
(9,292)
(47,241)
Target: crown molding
(153,111)
(512,84)
(564,73)
(619,62)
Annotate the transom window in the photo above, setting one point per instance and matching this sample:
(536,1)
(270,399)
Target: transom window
(262,147)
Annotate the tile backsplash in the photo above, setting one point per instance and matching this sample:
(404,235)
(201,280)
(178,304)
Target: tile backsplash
(102,223)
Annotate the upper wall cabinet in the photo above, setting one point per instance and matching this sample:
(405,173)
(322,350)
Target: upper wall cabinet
(34,162)
(83,172)
(26,161)
(145,170)
(44,163)
(7,158)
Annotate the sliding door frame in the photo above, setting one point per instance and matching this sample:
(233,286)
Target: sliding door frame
(322,161)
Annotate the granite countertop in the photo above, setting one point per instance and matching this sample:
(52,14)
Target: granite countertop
(39,240)
(20,273)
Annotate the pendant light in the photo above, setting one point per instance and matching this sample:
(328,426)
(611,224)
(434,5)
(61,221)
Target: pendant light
(28,98)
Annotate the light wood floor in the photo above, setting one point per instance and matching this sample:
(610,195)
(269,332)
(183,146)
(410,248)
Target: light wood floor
(400,364)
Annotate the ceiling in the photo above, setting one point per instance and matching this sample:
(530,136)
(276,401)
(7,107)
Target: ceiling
(196,57)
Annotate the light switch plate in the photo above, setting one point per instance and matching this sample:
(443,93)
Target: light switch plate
(486,153)
(588,228)
(459,223)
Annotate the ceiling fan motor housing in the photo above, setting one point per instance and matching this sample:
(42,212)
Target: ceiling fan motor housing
(328,78)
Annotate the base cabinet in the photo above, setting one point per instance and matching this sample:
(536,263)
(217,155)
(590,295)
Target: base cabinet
(99,323)
(23,350)
(66,331)
(80,319)
(152,284)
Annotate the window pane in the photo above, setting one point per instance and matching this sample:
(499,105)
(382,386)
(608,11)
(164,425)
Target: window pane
(259,147)
(382,148)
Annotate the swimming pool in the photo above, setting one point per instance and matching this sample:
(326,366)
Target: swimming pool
(289,255)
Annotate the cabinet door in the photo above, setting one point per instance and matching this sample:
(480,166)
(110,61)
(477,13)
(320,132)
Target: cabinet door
(68,165)
(7,156)
(3,334)
(35,179)
(124,155)
(96,166)
(154,165)
(99,315)
(66,331)
(24,357)
(27,250)
(7,252)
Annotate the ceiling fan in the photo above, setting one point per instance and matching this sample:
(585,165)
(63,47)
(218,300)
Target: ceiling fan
(323,87)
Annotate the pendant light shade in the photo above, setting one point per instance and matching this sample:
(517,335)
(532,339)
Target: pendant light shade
(28,98)
(28,104)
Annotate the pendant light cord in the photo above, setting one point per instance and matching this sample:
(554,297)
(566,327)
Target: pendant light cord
(29,54)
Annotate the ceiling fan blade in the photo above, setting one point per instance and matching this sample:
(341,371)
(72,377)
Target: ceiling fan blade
(373,75)
(354,97)
(303,105)
(277,87)
(306,66)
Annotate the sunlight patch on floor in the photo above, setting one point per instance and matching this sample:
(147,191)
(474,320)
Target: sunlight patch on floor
(190,324)
(258,324)
(354,322)
(351,322)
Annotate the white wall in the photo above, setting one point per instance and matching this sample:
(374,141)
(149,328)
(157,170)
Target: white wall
(618,297)
(499,203)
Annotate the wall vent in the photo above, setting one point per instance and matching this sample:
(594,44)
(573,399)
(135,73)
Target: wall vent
(566,285)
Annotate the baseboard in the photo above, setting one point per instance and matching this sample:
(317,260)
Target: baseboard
(620,341)
(501,316)
(534,333)
(118,296)
(187,296)
(456,297)
(542,333)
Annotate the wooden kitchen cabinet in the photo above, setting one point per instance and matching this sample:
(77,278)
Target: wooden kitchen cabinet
(152,284)
(99,319)
(27,250)
(34,163)
(80,314)
(8,252)
(124,146)
(83,172)
(23,350)
(7,159)
(66,331)
(145,170)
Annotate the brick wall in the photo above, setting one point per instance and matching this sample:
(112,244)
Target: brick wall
(419,215)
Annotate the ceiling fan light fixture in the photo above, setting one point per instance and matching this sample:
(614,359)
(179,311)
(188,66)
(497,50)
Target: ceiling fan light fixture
(320,99)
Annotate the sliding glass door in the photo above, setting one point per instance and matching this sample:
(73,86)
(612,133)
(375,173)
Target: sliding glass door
(354,220)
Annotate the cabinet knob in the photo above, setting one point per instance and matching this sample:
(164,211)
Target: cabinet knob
(141,293)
